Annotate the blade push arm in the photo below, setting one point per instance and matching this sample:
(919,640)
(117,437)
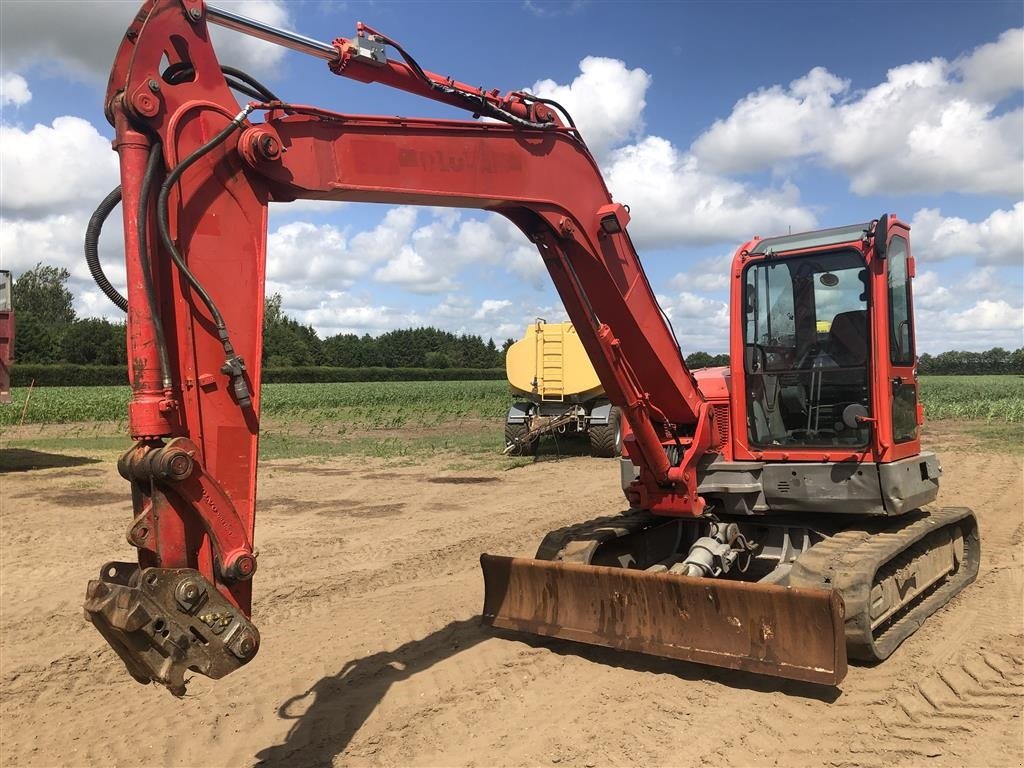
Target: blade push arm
(196,269)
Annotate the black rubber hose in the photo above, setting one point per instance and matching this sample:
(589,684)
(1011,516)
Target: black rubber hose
(556,105)
(252,93)
(245,77)
(142,221)
(233,365)
(92,254)
(236,79)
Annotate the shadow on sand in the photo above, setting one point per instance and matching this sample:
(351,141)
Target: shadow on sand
(26,460)
(335,708)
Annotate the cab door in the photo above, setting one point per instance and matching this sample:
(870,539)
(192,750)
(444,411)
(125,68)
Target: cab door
(900,355)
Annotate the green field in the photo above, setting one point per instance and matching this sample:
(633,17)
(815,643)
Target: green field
(456,424)
(974,398)
(384,405)
(375,405)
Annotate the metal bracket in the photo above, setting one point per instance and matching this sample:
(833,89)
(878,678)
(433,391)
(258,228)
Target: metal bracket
(369,50)
(164,621)
(174,467)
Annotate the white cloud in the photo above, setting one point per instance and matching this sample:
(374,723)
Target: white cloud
(606,100)
(999,239)
(244,51)
(711,274)
(348,312)
(304,253)
(14,90)
(978,326)
(994,70)
(427,259)
(53,168)
(929,127)
(491,307)
(673,200)
(332,318)
(414,273)
(56,240)
(549,10)
(772,124)
(976,311)
(53,176)
(79,39)
(701,323)
(930,294)
(988,315)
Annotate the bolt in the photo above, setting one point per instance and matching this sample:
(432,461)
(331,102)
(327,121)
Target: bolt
(146,105)
(244,645)
(195,14)
(179,464)
(154,86)
(269,148)
(174,464)
(188,593)
(243,568)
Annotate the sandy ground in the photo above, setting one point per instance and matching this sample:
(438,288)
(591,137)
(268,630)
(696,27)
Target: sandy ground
(367,599)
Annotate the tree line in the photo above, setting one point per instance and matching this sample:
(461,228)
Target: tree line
(48,331)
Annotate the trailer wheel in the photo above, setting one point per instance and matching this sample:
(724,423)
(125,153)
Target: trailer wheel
(606,439)
(514,434)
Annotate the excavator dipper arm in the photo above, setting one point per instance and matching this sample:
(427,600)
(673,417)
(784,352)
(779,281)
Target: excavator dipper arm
(195,239)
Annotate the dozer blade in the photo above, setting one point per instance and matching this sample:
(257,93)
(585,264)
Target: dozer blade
(790,632)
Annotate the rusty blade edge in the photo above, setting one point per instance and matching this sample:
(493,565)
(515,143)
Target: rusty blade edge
(497,570)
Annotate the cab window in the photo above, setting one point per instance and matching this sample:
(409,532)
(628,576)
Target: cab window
(901,332)
(806,350)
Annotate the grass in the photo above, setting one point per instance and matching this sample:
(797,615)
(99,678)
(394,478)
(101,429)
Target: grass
(974,398)
(378,405)
(454,423)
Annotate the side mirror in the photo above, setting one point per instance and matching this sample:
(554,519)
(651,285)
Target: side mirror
(882,235)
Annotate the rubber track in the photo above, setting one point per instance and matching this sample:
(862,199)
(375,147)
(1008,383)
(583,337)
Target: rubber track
(850,560)
(600,530)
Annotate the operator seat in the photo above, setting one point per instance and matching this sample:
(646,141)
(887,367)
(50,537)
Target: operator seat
(848,338)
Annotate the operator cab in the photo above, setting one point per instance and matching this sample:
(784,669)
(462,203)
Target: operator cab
(807,340)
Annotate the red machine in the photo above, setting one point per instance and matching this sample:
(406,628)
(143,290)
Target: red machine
(6,336)
(774,522)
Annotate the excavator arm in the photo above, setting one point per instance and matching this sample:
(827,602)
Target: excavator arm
(197,174)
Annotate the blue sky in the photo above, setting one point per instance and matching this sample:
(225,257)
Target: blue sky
(713,121)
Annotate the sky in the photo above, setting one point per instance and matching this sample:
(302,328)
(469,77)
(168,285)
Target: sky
(713,121)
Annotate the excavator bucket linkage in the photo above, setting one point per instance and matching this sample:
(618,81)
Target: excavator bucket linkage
(789,632)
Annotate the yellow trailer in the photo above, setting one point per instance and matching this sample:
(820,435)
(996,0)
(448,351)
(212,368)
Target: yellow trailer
(561,393)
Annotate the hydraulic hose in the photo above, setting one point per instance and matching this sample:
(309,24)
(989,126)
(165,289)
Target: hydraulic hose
(92,254)
(142,221)
(233,366)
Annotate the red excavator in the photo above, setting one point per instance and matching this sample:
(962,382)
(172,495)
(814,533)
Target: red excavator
(776,519)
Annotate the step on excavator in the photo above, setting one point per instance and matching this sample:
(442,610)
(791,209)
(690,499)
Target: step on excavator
(776,520)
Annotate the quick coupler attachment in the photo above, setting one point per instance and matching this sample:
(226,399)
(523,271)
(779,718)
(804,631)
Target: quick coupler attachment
(164,621)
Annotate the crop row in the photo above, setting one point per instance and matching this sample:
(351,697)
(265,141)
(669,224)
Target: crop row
(365,403)
(394,404)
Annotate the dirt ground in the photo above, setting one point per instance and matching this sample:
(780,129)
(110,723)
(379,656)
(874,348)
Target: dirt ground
(367,600)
